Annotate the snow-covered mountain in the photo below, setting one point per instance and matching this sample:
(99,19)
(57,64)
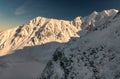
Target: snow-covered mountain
(26,49)
(95,55)
(36,32)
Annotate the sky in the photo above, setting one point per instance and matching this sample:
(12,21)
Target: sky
(17,12)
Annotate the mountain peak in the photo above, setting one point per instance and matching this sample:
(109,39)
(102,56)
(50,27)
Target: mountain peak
(110,12)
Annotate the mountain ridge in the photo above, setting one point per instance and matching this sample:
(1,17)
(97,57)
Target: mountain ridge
(36,32)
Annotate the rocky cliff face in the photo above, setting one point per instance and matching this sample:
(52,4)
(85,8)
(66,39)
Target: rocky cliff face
(95,55)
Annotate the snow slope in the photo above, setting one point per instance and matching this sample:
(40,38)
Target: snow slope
(96,55)
(26,49)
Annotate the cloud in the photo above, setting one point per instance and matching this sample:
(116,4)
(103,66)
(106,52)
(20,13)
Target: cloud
(22,9)
(30,6)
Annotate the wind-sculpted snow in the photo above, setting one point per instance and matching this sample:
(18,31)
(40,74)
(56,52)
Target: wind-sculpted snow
(96,55)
